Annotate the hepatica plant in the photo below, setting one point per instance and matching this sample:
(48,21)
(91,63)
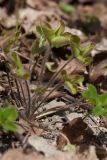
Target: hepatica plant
(49,37)
(98,101)
(57,37)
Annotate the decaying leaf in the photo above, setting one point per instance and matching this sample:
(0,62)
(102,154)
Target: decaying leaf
(77,131)
(73,67)
(98,70)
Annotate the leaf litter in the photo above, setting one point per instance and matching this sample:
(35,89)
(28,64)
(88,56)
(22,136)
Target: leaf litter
(53,115)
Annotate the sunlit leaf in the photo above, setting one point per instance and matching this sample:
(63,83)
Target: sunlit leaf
(59,41)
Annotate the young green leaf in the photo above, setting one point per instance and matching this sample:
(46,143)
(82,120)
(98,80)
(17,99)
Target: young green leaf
(8,45)
(47,30)
(10,126)
(59,41)
(75,40)
(60,29)
(38,46)
(8,114)
(49,66)
(72,81)
(99,102)
(97,111)
(71,86)
(102,100)
(67,7)
(90,94)
(19,69)
(87,49)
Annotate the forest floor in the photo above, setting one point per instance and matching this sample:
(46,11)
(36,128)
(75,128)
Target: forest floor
(54,120)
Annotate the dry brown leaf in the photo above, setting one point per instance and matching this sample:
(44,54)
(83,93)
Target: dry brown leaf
(42,4)
(77,132)
(28,20)
(6,20)
(100,47)
(73,67)
(98,70)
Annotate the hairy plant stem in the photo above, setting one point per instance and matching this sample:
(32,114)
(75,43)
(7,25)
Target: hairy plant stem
(45,58)
(44,99)
(8,77)
(52,80)
(29,99)
(17,86)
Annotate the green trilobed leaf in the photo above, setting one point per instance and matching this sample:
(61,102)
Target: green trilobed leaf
(19,69)
(8,45)
(87,49)
(10,126)
(71,86)
(39,30)
(8,114)
(38,46)
(59,41)
(60,29)
(72,81)
(87,60)
(102,100)
(77,79)
(90,94)
(97,110)
(76,51)
(49,66)
(75,40)
(105,111)
(48,32)
(17,61)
